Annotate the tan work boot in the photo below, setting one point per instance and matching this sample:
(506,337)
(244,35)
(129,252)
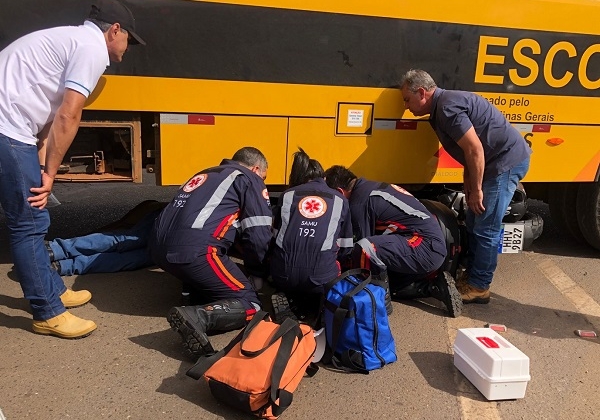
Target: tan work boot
(65,325)
(73,299)
(472,294)
(462,278)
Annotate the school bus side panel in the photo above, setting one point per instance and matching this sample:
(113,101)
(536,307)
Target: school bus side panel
(192,142)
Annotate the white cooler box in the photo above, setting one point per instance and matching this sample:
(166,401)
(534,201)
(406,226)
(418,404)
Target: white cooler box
(499,370)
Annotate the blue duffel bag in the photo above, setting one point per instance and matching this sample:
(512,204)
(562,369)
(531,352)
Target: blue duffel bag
(356,323)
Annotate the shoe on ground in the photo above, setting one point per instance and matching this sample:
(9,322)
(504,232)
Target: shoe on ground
(187,322)
(472,294)
(65,325)
(282,308)
(73,299)
(462,278)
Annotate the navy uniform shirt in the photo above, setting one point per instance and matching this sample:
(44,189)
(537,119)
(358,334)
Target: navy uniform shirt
(313,227)
(207,212)
(454,112)
(378,208)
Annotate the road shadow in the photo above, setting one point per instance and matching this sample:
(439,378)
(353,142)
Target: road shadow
(166,342)
(531,319)
(429,305)
(436,367)
(440,373)
(146,292)
(15,322)
(198,392)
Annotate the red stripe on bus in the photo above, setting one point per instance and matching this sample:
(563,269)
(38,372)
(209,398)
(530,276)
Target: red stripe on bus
(201,119)
(541,128)
(406,125)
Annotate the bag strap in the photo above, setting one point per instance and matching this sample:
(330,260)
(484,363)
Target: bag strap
(281,360)
(206,361)
(287,326)
(342,311)
(362,272)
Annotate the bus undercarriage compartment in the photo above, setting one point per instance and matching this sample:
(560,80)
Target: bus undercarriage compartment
(103,151)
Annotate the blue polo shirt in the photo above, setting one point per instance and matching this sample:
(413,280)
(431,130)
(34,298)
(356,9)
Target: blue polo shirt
(454,112)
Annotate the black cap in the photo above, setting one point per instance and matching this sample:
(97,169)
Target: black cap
(113,11)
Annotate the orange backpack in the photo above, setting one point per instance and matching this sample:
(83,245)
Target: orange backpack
(258,371)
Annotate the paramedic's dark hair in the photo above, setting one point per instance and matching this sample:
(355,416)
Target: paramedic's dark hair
(339,177)
(304,169)
(251,156)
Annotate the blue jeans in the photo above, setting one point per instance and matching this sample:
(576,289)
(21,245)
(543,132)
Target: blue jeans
(27,226)
(106,252)
(484,230)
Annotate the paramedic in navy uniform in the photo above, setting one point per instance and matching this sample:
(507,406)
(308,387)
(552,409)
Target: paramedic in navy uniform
(495,158)
(397,234)
(312,227)
(192,235)
(46,78)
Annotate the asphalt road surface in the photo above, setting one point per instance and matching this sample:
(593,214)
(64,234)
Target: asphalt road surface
(133,366)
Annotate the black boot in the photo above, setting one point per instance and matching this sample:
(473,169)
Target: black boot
(443,288)
(413,290)
(383,280)
(194,323)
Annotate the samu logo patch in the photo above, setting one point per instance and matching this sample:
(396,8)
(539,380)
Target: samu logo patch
(312,207)
(195,182)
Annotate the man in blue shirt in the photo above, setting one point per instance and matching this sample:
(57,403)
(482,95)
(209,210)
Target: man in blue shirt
(495,158)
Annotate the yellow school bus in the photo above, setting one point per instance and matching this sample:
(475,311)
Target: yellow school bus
(282,74)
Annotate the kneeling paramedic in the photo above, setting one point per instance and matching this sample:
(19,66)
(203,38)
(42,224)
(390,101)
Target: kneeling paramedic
(192,235)
(397,237)
(312,228)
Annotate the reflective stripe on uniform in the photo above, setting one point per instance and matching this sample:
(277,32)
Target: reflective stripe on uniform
(286,209)
(369,250)
(336,214)
(254,221)
(345,242)
(400,204)
(215,200)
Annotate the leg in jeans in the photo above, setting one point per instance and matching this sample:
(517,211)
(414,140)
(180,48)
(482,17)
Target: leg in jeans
(108,262)
(484,230)
(96,243)
(20,171)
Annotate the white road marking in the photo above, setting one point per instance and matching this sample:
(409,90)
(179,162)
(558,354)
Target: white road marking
(584,303)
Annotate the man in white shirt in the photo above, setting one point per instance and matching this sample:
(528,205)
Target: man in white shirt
(46,77)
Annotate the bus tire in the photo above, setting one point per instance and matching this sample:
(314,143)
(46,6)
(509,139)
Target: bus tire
(562,200)
(588,212)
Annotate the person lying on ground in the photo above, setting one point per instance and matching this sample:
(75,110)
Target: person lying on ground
(108,251)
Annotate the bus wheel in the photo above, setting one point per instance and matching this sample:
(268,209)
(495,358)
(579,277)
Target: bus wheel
(562,200)
(588,212)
